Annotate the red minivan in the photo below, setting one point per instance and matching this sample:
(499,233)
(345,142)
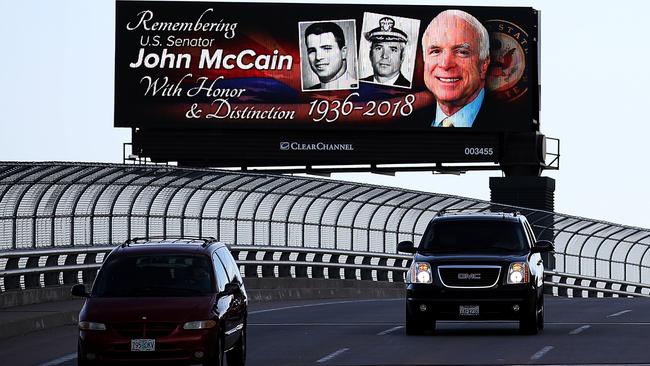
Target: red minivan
(165,300)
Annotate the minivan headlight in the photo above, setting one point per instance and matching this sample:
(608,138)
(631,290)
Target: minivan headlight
(420,272)
(200,324)
(91,326)
(518,273)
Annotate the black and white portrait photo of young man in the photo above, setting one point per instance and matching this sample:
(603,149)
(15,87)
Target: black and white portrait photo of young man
(387,49)
(328,55)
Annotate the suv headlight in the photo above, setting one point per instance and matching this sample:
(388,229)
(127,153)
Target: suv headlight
(420,272)
(518,273)
(201,324)
(91,326)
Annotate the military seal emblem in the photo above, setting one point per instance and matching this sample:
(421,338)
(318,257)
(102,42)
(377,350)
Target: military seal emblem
(507,77)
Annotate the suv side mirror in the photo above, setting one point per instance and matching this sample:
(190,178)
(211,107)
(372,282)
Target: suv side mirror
(543,246)
(79,290)
(406,247)
(230,289)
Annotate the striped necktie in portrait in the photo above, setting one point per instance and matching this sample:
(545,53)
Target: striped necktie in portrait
(446,122)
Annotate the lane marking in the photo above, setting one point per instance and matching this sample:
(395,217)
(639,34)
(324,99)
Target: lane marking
(60,360)
(317,324)
(320,304)
(541,353)
(580,330)
(390,330)
(332,355)
(602,323)
(619,313)
(474,322)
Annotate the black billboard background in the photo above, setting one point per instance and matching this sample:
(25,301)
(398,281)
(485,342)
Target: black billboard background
(163,132)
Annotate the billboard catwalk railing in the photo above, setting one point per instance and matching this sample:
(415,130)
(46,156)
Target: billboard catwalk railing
(57,205)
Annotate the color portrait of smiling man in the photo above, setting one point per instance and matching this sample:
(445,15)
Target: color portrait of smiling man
(456,58)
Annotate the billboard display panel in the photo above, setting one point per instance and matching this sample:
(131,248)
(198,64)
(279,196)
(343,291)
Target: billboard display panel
(261,69)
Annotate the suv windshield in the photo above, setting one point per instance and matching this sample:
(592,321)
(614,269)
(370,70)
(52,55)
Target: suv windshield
(473,235)
(155,275)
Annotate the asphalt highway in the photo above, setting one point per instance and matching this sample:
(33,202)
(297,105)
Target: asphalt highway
(370,332)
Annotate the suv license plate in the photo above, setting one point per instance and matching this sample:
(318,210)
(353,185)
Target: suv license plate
(143,345)
(469,310)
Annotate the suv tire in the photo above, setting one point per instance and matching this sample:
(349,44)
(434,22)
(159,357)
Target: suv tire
(530,321)
(237,355)
(540,315)
(418,326)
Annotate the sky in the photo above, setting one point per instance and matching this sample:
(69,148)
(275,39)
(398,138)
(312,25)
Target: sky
(56,98)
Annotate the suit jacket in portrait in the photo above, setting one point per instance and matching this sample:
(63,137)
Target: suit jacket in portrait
(401,80)
(494,115)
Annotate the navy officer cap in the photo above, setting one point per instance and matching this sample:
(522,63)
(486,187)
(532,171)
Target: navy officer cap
(386,32)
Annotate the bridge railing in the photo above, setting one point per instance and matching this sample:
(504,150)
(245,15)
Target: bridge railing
(36,269)
(52,206)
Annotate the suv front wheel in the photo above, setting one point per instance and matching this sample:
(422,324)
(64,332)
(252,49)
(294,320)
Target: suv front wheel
(418,326)
(532,321)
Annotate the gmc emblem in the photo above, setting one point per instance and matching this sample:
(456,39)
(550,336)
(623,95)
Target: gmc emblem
(469,276)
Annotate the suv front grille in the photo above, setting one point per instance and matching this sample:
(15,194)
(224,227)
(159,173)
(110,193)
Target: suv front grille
(469,276)
(144,330)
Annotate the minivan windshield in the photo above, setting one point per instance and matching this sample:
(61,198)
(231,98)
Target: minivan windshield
(155,275)
(473,235)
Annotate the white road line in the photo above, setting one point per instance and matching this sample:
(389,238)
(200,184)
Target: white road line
(332,355)
(390,330)
(617,323)
(60,360)
(580,330)
(541,353)
(619,313)
(320,304)
(372,324)
(317,324)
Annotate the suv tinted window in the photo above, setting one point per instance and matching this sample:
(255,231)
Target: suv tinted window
(155,275)
(531,234)
(478,235)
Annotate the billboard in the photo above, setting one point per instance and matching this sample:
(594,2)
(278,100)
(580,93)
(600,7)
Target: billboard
(324,83)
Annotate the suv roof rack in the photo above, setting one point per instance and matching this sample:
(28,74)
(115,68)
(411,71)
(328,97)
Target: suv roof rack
(461,211)
(446,211)
(207,240)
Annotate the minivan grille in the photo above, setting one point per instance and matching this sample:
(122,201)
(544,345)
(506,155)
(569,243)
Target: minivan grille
(468,276)
(144,330)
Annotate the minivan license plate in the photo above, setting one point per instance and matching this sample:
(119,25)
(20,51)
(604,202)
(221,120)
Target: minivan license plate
(469,310)
(143,345)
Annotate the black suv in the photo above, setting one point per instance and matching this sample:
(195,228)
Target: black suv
(483,266)
(180,300)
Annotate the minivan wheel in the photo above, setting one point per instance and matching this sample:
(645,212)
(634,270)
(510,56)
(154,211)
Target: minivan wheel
(217,358)
(237,355)
(81,360)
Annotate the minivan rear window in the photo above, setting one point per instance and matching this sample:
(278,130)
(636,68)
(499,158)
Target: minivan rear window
(155,275)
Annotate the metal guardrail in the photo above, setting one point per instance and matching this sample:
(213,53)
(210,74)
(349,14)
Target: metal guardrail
(48,205)
(29,269)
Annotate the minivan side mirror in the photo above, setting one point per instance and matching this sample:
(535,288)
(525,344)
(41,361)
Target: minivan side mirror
(543,246)
(79,290)
(230,289)
(406,247)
